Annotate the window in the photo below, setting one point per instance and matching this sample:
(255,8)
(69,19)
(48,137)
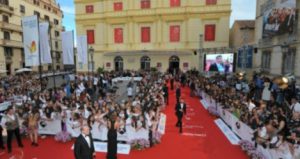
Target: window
(145,4)
(289,61)
(56,44)
(5,18)
(8,52)
(36,2)
(145,34)
(90,36)
(89,9)
(210,31)
(145,63)
(118,35)
(56,22)
(22,9)
(266,60)
(56,34)
(174,3)
(47,18)
(5,2)
(6,35)
(211,2)
(37,13)
(118,6)
(175,33)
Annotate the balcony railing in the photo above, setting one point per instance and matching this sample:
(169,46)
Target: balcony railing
(11,43)
(6,9)
(9,26)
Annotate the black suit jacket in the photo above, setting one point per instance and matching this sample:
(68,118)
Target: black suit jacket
(82,149)
(214,67)
(178,92)
(178,109)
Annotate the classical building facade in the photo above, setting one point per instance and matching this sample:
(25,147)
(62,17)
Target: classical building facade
(278,43)
(142,34)
(11,46)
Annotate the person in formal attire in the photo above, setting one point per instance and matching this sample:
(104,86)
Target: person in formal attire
(84,145)
(166,93)
(180,111)
(112,144)
(178,93)
(11,122)
(218,66)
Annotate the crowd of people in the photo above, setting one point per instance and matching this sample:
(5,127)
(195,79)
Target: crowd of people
(87,101)
(272,112)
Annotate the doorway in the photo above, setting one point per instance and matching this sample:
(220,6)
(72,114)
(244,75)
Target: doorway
(174,65)
(119,63)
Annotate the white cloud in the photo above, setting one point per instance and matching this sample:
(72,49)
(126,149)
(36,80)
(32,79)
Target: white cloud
(68,10)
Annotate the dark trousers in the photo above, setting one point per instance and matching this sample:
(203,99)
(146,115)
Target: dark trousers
(166,99)
(9,138)
(1,138)
(179,121)
(177,99)
(151,137)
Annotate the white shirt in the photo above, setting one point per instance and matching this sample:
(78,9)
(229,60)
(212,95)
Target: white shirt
(251,106)
(87,139)
(7,118)
(296,107)
(95,80)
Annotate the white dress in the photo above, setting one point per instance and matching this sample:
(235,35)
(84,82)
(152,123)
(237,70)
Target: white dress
(266,94)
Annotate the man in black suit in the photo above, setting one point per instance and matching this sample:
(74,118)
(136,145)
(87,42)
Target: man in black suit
(178,94)
(84,145)
(166,93)
(218,66)
(180,111)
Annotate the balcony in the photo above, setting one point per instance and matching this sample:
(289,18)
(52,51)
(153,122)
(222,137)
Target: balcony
(6,9)
(11,43)
(9,26)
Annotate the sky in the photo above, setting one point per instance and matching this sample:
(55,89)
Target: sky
(241,9)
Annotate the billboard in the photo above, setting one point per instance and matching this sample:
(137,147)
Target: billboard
(222,62)
(279,17)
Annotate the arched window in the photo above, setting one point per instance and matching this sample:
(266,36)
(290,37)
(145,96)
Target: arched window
(145,63)
(118,63)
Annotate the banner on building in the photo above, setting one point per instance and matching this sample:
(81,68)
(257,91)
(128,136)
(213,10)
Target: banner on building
(68,47)
(31,40)
(44,43)
(279,17)
(82,49)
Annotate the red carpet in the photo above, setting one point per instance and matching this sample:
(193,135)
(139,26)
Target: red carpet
(201,139)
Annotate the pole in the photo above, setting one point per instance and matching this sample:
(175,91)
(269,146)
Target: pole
(53,66)
(40,58)
(200,53)
(75,61)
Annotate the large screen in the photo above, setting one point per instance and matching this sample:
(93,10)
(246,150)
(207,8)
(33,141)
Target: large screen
(279,17)
(223,63)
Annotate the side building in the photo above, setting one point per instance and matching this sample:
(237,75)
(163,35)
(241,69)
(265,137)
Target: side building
(277,37)
(11,46)
(144,34)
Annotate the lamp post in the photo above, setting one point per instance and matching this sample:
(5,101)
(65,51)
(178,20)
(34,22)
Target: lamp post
(91,52)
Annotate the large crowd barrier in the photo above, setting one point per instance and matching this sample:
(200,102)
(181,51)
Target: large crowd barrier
(98,131)
(118,79)
(245,132)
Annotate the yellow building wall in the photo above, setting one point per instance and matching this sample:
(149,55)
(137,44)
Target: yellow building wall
(191,16)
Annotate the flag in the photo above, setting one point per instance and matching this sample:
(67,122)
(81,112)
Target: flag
(82,49)
(31,40)
(44,43)
(68,47)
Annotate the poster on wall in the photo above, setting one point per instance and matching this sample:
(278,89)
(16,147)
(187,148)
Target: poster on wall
(279,17)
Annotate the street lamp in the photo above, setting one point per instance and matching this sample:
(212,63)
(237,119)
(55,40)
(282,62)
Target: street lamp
(91,52)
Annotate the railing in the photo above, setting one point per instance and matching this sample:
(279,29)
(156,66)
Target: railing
(11,43)
(10,26)
(6,8)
